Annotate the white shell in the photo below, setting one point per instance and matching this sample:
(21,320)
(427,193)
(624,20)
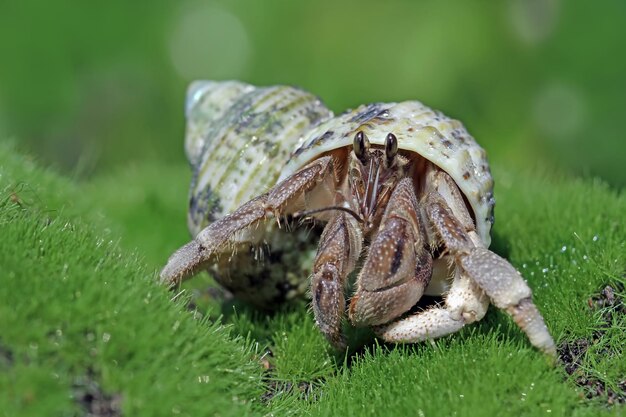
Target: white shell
(238,140)
(431,134)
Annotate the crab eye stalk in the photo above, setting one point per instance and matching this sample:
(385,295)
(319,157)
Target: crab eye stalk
(361,145)
(391,147)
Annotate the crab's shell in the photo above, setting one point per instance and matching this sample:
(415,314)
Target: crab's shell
(241,140)
(238,139)
(429,133)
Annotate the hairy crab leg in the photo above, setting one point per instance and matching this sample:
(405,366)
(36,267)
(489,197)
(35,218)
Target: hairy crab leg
(237,228)
(478,274)
(338,251)
(397,268)
(494,275)
(464,303)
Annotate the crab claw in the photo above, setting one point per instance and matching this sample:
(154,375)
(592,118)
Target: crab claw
(508,291)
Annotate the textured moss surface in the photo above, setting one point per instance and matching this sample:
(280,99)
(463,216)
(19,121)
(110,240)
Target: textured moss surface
(83,325)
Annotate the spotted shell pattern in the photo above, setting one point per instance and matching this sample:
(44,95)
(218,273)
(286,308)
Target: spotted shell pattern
(431,134)
(241,140)
(238,140)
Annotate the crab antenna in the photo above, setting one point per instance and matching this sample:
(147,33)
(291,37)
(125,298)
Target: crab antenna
(345,209)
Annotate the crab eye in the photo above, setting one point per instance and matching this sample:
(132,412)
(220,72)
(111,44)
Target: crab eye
(361,145)
(391,146)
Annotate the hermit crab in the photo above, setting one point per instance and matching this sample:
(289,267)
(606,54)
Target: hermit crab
(399,204)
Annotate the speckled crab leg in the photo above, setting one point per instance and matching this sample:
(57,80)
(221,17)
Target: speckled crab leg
(339,249)
(464,303)
(476,269)
(223,236)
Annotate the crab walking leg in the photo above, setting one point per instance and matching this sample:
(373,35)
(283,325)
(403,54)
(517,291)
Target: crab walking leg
(476,270)
(338,251)
(237,228)
(397,268)
(465,303)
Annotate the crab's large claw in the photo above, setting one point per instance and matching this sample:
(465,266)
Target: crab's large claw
(508,291)
(397,268)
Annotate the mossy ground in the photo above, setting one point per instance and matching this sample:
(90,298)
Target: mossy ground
(80,310)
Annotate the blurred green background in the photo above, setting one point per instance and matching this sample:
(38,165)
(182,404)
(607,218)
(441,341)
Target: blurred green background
(90,86)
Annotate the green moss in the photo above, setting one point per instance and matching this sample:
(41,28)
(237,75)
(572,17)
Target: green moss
(301,352)
(481,375)
(78,299)
(73,305)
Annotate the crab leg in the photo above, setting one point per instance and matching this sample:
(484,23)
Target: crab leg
(476,270)
(238,228)
(339,249)
(397,268)
(505,287)
(463,304)
(451,226)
